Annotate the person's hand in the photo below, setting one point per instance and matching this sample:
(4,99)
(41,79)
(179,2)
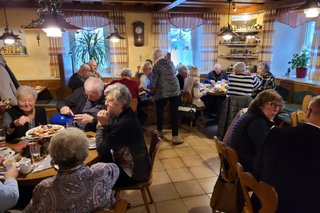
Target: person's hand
(138,68)
(12,173)
(103,117)
(22,121)
(212,82)
(66,111)
(83,118)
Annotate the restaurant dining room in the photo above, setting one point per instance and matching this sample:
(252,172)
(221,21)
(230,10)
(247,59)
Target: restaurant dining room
(183,106)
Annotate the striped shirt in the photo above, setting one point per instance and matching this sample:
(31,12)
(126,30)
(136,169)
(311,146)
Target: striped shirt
(242,85)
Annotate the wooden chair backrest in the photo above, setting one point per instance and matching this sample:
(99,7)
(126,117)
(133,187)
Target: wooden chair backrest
(134,104)
(265,192)
(153,150)
(305,102)
(186,97)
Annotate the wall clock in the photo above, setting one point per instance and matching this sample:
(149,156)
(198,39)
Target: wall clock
(138,33)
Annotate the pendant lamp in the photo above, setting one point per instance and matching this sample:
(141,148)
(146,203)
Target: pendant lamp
(311,8)
(115,36)
(227,32)
(8,37)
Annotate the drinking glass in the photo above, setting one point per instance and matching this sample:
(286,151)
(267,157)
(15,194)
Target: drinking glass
(2,137)
(35,152)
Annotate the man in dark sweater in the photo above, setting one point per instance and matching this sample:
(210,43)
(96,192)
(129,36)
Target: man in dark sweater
(217,74)
(77,79)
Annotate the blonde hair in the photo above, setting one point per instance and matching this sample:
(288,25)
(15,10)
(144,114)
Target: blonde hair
(194,71)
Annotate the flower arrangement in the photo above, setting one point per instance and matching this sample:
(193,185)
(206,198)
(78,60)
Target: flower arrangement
(300,61)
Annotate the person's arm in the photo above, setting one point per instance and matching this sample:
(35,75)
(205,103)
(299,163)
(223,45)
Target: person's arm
(196,91)
(256,83)
(9,192)
(154,79)
(208,79)
(257,131)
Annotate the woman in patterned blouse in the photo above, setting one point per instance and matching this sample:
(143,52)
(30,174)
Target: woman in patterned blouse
(76,187)
(266,78)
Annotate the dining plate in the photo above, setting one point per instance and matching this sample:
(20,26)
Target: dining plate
(6,152)
(43,131)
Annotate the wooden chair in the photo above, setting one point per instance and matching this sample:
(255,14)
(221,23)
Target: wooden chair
(144,186)
(119,207)
(265,192)
(134,104)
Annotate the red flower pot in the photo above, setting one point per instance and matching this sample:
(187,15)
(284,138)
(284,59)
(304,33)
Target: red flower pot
(301,72)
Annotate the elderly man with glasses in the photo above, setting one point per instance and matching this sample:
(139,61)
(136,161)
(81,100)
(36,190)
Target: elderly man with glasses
(84,104)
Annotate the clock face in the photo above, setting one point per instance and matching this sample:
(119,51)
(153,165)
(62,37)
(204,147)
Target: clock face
(138,30)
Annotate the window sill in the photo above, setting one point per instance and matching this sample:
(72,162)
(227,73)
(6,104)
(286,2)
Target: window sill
(299,80)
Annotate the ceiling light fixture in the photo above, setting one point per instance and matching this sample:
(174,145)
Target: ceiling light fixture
(51,19)
(115,36)
(8,37)
(311,8)
(227,32)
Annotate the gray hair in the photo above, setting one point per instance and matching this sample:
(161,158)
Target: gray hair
(94,84)
(215,66)
(126,72)
(121,94)
(146,64)
(182,68)
(69,147)
(265,66)
(239,67)
(84,67)
(157,54)
(26,90)
(92,61)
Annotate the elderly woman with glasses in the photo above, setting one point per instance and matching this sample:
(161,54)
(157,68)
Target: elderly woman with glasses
(120,137)
(19,119)
(250,130)
(76,187)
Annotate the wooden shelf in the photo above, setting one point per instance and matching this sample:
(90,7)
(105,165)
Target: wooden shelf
(251,57)
(248,32)
(239,45)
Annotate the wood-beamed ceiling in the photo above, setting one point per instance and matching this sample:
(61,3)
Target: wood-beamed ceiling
(176,6)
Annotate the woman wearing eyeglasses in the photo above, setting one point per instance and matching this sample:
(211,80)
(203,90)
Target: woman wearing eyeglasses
(250,130)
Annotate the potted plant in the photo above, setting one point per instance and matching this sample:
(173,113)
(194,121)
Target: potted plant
(90,45)
(300,62)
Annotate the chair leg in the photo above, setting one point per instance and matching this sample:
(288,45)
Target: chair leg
(150,196)
(145,199)
(190,127)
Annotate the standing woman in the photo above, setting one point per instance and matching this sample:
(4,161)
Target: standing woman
(19,119)
(165,87)
(265,76)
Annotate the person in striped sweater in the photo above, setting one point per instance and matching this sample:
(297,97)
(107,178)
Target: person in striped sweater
(241,82)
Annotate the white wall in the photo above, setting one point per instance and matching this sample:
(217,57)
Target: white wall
(285,42)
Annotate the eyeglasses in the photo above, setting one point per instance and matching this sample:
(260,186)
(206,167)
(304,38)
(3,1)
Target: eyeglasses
(275,104)
(109,101)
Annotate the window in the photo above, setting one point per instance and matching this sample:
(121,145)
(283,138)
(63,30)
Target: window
(310,28)
(89,44)
(185,46)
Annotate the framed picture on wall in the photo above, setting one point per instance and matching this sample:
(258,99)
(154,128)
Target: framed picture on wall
(17,48)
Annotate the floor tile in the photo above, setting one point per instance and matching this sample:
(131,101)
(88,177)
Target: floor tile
(204,148)
(198,204)
(172,163)
(167,153)
(185,151)
(188,188)
(163,192)
(160,177)
(142,209)
(192,161)
(171,206)
(207,183)
(181,174)
(202,171)
(157,166)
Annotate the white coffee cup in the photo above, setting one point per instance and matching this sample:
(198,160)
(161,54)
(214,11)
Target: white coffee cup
(9,163)
(25,165)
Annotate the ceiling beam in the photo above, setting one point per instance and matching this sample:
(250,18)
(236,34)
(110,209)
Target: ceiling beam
(172,5)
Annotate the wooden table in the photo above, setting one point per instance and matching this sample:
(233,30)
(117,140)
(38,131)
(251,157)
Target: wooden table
(33,179)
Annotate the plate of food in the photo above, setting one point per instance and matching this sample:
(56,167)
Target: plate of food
(43,131)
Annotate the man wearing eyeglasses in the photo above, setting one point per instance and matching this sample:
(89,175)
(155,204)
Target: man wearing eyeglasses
(290,160)
(84,104)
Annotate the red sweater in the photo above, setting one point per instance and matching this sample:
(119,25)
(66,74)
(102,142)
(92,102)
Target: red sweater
(131,84)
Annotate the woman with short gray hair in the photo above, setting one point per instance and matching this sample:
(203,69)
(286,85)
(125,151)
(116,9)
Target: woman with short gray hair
(76,187)
(19,119)
(120,137)
(266,77)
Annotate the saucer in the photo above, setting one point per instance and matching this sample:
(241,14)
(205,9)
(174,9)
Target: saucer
(7,152)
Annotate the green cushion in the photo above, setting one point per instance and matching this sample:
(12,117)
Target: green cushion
(298,96)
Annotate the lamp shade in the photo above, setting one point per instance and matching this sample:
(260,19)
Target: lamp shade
(115,36)
(227,33)
(9,37)
(311,8)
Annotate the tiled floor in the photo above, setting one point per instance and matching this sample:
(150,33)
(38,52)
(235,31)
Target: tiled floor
(183,176)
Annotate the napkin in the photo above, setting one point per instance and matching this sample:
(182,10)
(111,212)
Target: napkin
(43,165)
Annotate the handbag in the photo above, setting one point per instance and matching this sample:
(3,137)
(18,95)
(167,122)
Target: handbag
(227,195)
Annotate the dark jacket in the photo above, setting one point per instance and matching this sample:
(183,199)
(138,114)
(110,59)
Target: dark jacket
(212,75)
(181,81)
(75,82)
(290,164)
(20,131)
(77,101)
(125,137)
(247,136)
(164,82)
